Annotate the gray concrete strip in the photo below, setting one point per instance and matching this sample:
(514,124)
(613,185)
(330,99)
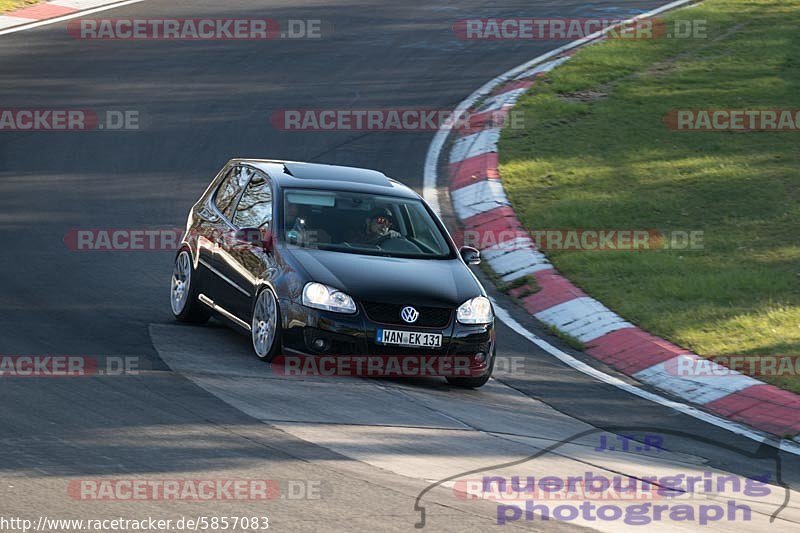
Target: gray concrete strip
(427,431)
(221,362)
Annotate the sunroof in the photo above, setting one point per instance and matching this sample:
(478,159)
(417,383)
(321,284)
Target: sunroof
(312,171)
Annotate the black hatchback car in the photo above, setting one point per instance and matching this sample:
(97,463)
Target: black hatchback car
(317,260)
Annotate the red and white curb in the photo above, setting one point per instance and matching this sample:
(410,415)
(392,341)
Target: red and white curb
(54,11)
(480,202)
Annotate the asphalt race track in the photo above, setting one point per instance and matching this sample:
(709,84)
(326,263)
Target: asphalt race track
(357,453)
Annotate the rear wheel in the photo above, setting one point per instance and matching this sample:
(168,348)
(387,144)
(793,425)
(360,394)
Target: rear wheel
(266,326)
(474,383)
(184,291)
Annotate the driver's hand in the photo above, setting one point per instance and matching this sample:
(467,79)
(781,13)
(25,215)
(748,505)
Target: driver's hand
(394,234)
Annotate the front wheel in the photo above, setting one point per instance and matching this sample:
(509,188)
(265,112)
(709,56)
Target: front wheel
(184,291)
(266,326)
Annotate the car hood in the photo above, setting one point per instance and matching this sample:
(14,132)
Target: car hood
(432,282)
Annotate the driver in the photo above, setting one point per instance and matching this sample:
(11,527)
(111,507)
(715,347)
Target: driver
(377,226)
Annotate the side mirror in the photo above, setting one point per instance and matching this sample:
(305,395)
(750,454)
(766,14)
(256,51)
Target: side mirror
(470,255)
(255,237)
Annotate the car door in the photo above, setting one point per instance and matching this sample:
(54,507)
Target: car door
(214,223)
(239,263)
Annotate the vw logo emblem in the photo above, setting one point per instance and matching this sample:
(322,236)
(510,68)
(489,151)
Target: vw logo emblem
(409,314)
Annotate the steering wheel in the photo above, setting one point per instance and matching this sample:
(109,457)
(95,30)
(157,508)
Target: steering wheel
(383,238)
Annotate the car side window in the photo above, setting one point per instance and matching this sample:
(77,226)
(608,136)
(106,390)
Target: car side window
(255,207)
(422,230)
(227,192)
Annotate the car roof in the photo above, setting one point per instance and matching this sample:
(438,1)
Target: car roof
(291,174)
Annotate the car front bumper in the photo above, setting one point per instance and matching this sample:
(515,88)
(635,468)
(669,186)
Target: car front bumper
(323,333)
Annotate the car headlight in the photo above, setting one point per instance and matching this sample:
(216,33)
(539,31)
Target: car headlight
(478,310)
(321,296)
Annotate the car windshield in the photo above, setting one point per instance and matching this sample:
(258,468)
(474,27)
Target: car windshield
(362,224)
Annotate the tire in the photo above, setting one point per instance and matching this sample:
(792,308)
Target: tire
(265,327)
(183,292)
(474,383)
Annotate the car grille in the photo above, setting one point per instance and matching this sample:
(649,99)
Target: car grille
(429,317)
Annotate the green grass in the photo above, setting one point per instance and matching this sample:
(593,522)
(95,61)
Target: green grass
(530,281)
(595,153)
(571,341)
(9,5)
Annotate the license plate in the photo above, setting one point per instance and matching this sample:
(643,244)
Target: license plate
(409,338)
